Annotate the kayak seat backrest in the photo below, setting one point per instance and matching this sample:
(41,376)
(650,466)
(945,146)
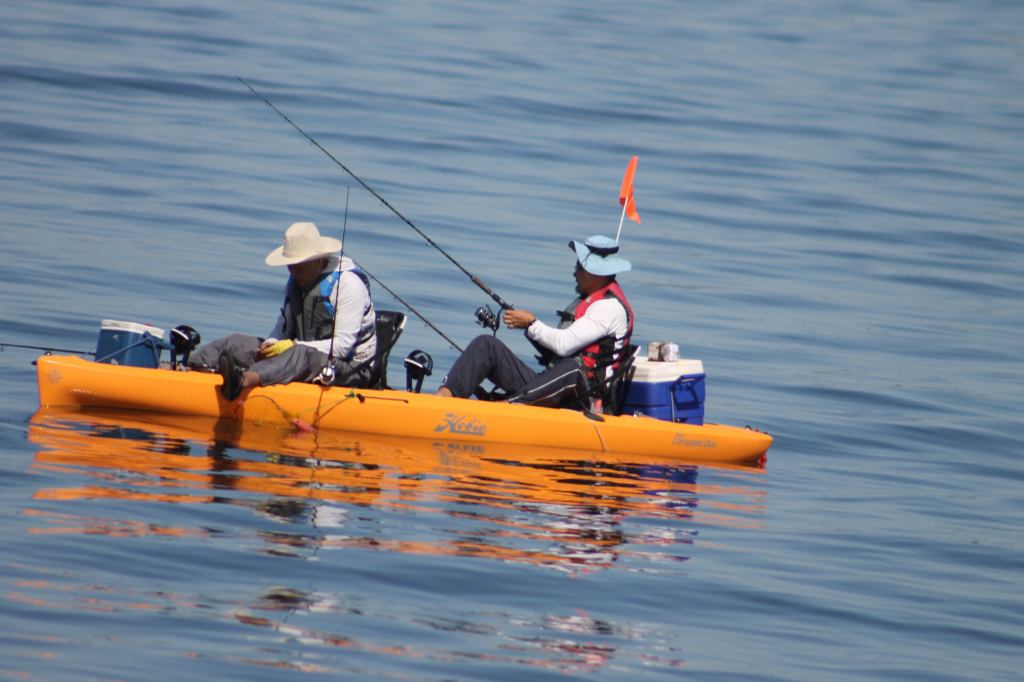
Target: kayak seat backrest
(390,324)
(610,391)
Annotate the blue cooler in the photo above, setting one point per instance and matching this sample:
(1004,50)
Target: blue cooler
(129,343)
(671,391)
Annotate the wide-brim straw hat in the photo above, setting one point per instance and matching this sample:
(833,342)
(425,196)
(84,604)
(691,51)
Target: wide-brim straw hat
(598,255)
(302,242)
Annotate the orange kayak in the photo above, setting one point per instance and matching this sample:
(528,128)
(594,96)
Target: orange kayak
(70,381)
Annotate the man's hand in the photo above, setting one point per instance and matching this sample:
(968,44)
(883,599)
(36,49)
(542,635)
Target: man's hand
(272,347)
(518,319)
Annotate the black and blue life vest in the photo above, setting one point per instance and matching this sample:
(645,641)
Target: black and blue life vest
(309,314)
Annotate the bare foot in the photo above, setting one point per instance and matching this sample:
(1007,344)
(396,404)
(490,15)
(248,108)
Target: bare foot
(444,392)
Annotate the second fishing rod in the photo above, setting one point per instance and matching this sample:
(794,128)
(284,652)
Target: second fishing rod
(484,317)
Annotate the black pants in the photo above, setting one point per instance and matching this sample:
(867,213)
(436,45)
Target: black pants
(561,384)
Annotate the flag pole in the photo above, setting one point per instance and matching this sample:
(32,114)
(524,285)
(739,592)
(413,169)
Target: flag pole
(621,218)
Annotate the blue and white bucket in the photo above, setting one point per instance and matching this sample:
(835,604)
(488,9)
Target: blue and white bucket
(130,343)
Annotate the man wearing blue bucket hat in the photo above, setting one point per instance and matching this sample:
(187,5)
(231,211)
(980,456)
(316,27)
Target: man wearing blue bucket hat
(594,328)
(327,322)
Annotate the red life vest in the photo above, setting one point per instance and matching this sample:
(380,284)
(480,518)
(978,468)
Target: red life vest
(601,351)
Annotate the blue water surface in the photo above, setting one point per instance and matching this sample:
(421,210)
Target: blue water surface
(831,195)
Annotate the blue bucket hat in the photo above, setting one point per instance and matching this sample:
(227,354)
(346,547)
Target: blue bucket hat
(598,256)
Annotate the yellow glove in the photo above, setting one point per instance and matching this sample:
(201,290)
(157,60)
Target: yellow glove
(272,347)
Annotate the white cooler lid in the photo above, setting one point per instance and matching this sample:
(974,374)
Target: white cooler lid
(646,370)
(133,327)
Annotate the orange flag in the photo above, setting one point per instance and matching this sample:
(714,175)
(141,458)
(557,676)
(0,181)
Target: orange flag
(626,192)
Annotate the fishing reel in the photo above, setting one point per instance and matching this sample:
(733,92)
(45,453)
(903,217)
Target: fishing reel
(486,318)
(326,376)
(418,364)
(184,340)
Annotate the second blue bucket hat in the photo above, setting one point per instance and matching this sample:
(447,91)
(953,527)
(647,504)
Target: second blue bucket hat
(599,256)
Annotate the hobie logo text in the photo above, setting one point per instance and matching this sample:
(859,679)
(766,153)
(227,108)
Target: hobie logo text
(456,423)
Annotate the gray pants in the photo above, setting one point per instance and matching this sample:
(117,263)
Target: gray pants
(298,363)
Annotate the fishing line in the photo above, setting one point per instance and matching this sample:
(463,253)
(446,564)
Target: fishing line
(407,305)
(329,377)
(327,373)
(473,278)
(4,344)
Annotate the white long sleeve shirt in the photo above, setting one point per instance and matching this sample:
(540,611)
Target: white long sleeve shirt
(604,317)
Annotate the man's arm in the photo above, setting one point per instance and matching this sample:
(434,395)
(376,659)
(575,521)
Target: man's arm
(604,318)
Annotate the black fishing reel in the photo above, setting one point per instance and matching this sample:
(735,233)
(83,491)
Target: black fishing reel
(486,318)
(184,340)
(418,364)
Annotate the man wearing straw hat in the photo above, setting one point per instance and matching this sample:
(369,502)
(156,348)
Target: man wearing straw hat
(600,323)
(325,330)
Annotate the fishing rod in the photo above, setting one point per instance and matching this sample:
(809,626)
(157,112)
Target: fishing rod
(386,288)
(473,278)
(4,344)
